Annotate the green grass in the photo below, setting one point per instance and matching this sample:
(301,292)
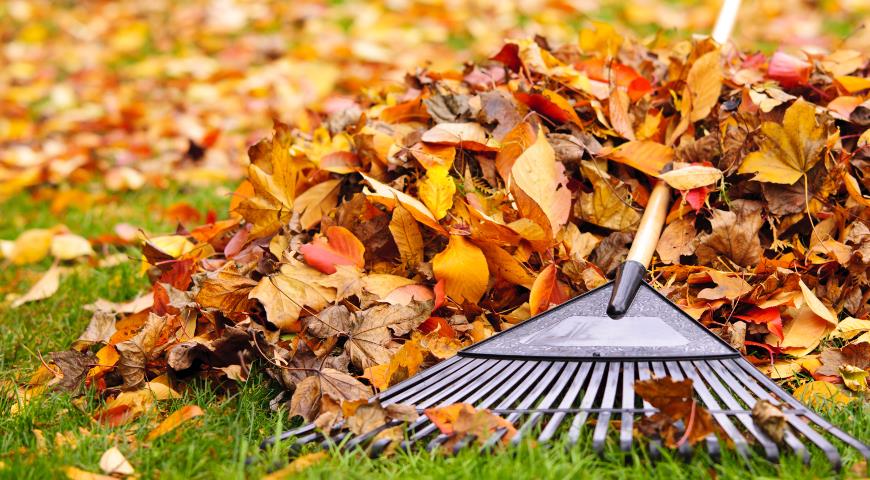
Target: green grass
(238,416)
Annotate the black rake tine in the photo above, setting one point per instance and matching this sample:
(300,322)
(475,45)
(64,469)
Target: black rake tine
(526,398)
(588,399)
(599,434)
(830,451)
(502,382)
(460,389)
(722,419)
(853,442)
(557,389)
(463,371)
(286,435)
(626,427)
(421,377)
(567,400)
(644,372)
(771,451)
(790,438)
(685,448)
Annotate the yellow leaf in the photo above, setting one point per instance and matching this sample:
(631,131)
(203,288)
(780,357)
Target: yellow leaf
(178,417)
(704,83)
(790,150)
(850,327)
(802,334)
(855,378)
(647,156)
(436,191)
(607,205)
(406,234)
(693,176)
(42,289)
(286,293)
(391,197)
(820,395)
(535,173)
(463,268)
(68,246)
(73,473)
(296,466)
(853,84)
(31,246)
(816,305)
(603,39)
(781,369)
(316,202)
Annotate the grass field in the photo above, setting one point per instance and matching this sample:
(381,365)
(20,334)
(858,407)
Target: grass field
(56,431)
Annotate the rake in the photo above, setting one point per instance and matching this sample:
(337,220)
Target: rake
(573,368)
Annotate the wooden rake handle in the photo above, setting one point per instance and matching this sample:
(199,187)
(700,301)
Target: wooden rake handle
(631,272)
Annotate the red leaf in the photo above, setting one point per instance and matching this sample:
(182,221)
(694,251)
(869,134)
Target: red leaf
(440,294)
(769,316)
(437,324)
(789,71)
(696,197)
(339,247)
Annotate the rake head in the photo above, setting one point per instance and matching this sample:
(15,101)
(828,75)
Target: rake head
(563,372)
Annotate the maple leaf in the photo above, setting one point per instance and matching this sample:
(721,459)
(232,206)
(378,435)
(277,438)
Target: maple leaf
(607,205)
(275,176)
(790,150)
(678,238)
(734,236)
(285,294)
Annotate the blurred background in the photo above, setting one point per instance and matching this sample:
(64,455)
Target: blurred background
(133,93)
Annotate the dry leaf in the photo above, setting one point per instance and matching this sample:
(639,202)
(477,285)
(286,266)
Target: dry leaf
(463,268)
(44,288)
(172,422)
(406,234)
(113,462)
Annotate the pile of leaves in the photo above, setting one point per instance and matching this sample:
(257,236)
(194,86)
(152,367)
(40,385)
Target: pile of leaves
(420,219)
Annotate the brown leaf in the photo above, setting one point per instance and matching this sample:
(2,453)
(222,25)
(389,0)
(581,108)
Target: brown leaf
(769,419)
(677,239)
(856,355)
(74,366)
(406,234)
(734,237)
(226,290)
(285,295)
(676,402)
(727,286)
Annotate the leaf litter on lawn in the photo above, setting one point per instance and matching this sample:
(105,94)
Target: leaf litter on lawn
(435,223)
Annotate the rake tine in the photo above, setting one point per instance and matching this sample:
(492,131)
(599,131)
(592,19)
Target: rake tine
(790,439)
(434,370)
(296,432)
(547,401)
(531,397)
(658,369)
(599,435)
(863,449)
(771,451)
(460,389)
(830,451)
(685,449)
(627,419)
(360,439)
(464,443)
(567,400)
(588,400)
(463,372)
(644,372)
(721,418)
(509,376)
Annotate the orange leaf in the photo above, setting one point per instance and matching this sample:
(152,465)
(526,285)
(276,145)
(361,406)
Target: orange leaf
(545,291)
(340,247)
(178,417)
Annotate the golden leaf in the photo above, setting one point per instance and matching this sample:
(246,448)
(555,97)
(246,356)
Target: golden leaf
(406,234)
(647,156)
(436,191)
(535,173)
(693,176)
(790,150)
(607,205)
(820,395)
(285,294)
(704,83)
(463,268)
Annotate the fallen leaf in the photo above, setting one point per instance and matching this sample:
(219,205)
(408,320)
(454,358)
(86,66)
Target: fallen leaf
(406,234)
(172,422)
(68,246)
(678,238)
(297,466)
(73,473)
(537,174)
(734,237)
(676,402)
(607,205)
(113,462)
(44,288)
(768,316)
(727,286)
(436,191)
(790,150)
(692,176)
(770,420)
(463,268)
(339,247)
(31,246)
(704,83)
(286,294)
(821,395)
(647,156)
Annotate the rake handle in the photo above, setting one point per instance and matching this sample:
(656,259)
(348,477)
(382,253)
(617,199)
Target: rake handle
(631,272)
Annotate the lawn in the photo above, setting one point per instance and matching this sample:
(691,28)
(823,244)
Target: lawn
(57,431)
